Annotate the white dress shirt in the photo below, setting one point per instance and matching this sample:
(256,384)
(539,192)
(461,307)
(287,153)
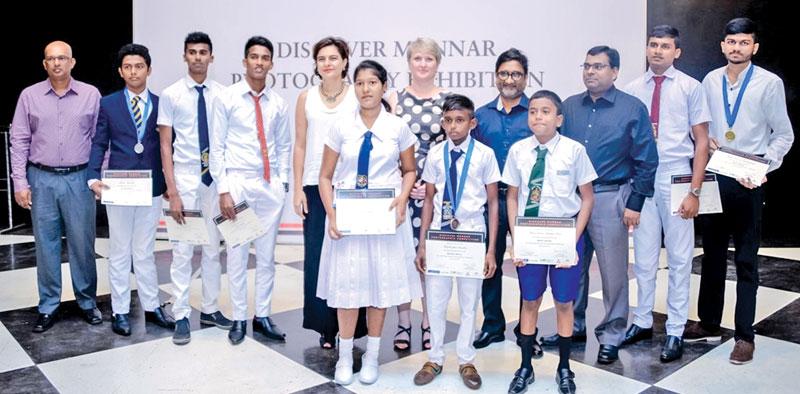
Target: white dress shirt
(234,140)
(177,108)
(320,119)
(682,105)
(483,170)
(566,166)
(762,126)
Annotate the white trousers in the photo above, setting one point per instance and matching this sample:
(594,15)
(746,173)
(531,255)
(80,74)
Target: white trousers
(679,242)
(266,200)
(132,233)
(438,290)
(196,195)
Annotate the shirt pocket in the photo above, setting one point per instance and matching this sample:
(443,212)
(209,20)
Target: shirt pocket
(562,178)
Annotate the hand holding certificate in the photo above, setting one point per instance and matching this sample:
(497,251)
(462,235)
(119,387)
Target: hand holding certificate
(542,240)
(738,165)
(450,253)
(709,194)
(365,211)
(127,187)
(243,229)
(193,230)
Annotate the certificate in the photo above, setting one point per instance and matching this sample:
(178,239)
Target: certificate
(450,253)
(127,187)
(365,211)
(709,193)
(242,230)
(193,231)
(738,165)
(541,240)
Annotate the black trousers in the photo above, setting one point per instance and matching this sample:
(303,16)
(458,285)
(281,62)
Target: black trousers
(494,321)
(741,219)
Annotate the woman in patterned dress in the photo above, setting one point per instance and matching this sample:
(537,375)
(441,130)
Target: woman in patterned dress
(420,105)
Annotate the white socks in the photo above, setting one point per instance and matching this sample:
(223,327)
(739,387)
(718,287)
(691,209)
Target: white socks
(369,362)
(344,367)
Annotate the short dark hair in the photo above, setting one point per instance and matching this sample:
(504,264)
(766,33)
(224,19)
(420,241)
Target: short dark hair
(340,44)
(613,54)
(509,55)
(379,71)
(550,95)
(458,102)
(197,37)
(741,25)
(662,31)
(258,40)
(133,50)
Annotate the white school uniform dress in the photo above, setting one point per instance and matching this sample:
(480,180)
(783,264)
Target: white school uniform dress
(369,270)
(237,168)
(177,108)
(483,170)
(682,105)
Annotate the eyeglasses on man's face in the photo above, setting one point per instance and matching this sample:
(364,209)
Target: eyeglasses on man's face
(515,75)
(52,59)
(594,66)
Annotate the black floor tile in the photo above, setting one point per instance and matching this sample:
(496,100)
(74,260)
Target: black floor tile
(25,380)
(656,390)
(325,388)
(773,272)
(23,255)
(782,324)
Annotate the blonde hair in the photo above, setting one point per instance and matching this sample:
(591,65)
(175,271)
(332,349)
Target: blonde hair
(427,45)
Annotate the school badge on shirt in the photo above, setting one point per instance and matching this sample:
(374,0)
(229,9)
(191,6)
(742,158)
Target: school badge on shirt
(536,194)
(361,181)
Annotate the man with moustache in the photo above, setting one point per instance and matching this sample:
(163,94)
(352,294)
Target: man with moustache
(748,111)
(616,131)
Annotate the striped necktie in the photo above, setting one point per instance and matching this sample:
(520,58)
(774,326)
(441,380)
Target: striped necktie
(535,183)
(137,111)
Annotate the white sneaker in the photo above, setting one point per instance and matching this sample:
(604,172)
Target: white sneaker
(344,372)
(369,370)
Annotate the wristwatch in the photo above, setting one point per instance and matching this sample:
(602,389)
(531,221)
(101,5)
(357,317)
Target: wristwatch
(695,192)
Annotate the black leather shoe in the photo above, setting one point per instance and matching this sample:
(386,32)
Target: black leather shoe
(565,379)
(607,354)
(215,319)
(485,339)
(92,316)
(45,321)
(537,348)
(160,318)
(552,340)
(636,334)
(672,350)
(268,328)
(238,331)
(522,378)
(183,333)
(121,325)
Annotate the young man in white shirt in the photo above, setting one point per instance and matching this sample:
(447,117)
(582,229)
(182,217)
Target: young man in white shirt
(250,153)
(183,124)
(680,116)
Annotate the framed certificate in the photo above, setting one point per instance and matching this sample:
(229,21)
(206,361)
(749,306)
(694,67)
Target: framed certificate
(738,165)
(128,188)
(543,240)
(193,231)
(709,194)
(365,211)
(455,253)
(242,230)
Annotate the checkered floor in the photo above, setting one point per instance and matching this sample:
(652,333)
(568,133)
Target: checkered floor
(74,357)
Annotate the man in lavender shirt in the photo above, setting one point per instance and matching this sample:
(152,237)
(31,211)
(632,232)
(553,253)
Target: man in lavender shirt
(51,135)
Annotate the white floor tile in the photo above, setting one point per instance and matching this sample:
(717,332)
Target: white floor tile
(15,239)
(781,253)
(288,253)
(773,370)
(12,356)
(207,364)
(496,365)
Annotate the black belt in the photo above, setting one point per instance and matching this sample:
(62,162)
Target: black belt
(59,170)
(612,187)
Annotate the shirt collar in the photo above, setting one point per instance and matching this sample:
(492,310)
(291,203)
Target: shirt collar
(523,103)
(376,129)
(144,96)
(70,87)
(671,73)
(463,147)
(243,88)
(190,82)
(550,145)
(610,95)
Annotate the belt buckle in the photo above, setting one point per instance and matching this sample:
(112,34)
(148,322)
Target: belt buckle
(61,170)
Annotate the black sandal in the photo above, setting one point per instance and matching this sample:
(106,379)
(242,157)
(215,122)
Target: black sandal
(324,340)
(406,342)
(426,343)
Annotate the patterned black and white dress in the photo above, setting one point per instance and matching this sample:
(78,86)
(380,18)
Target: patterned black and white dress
(422,116)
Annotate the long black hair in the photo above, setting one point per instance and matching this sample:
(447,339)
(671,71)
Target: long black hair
(379,72)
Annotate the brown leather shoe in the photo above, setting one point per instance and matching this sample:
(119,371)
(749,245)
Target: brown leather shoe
(428,372)
(742,352)
(470,377)
(694,332)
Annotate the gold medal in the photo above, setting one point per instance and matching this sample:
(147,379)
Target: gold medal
(730,135)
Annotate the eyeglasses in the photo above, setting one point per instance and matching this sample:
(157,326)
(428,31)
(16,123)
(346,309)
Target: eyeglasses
(515,75)
(61,59)
(595,66)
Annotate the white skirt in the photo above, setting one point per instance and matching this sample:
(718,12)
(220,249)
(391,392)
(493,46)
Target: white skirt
(369,270)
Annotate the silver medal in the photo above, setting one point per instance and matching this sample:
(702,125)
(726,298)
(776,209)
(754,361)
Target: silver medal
(138,148)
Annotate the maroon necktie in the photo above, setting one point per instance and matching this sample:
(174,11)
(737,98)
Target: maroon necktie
(655,104)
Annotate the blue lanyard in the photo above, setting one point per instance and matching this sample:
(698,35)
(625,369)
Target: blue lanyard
(145,115)
(461,180)
(731,117)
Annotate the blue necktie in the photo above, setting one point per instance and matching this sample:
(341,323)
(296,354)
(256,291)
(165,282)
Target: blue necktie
(449,195)
(362,179)
(202,133)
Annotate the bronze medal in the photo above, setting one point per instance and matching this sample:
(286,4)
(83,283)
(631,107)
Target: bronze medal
(454,224)
(730,135)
